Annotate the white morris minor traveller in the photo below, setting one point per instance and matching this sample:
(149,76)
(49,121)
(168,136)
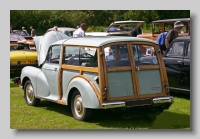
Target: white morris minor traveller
(81,73)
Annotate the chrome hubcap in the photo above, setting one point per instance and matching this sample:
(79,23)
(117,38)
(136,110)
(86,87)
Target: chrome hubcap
(29,93)
(78,106)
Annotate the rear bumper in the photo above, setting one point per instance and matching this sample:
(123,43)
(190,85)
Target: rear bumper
(139,102)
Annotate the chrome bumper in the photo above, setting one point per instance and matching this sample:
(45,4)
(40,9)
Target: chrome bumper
(113,105)
(158,100)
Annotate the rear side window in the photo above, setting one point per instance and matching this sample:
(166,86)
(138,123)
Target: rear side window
(81,56)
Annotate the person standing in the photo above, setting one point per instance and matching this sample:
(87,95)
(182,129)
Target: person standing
(55,28)
(137,30)
(32,31)
(172,34)
(11,29)
(80,32)
(24,32)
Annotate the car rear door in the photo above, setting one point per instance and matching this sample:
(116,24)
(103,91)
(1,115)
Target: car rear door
(149,70)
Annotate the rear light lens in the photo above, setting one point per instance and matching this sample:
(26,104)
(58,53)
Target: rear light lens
(104,95)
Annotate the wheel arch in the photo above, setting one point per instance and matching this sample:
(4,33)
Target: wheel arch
(90,99)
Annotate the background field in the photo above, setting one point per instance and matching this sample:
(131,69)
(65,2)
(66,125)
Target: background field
(50,115)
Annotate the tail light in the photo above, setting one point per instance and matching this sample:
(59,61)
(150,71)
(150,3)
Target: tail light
(105,94)
(166,88)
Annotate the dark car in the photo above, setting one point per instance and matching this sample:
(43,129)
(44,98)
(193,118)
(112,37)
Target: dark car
(177,63)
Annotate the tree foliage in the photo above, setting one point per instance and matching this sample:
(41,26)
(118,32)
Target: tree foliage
(44,19)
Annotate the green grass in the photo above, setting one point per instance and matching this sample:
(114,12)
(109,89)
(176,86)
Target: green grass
(49,115)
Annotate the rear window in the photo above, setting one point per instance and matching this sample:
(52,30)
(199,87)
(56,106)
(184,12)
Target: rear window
(144,55)
(116,56)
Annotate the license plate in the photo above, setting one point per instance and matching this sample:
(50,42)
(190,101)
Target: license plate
(28,62)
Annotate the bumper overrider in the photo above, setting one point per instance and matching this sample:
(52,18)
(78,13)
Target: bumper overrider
(140,102)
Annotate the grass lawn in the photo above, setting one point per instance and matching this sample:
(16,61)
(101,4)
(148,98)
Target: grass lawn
(49,115)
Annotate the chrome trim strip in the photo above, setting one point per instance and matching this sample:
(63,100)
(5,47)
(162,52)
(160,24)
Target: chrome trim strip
(179,89)
(113,105)
(169,99)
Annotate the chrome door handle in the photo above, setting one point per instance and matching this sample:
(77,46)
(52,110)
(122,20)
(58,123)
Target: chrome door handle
(179,61)
(55,70)
(137,69)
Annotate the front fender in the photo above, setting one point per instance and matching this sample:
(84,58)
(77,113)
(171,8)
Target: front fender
(38,80)
(30,73)
(90,99)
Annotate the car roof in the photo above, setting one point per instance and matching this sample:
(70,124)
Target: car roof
(98,41)
(171,20)
(183,38)
(127,22)
(64,28)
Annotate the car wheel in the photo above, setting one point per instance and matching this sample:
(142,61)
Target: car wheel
(29,94)
(78,111)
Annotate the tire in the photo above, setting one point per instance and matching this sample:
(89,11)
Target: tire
(29,94)
(79,112)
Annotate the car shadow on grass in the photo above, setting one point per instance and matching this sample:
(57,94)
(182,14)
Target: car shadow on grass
(121,118)
(180,95)
(124,120)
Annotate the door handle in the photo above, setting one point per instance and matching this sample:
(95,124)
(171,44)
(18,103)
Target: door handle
(179,61)
(137,68)
(55,70)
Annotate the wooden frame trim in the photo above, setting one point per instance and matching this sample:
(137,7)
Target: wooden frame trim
(149,67)
(60,93)
(123,97)
(151,95)
(113,69)
(101,76)
(134,75)
(63,102)
(80,68)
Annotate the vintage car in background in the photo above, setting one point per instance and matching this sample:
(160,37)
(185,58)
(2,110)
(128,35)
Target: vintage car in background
(160,26)
(16,39)
(177,63)
(113,29)
(79,73)
(22,55)
(66,30)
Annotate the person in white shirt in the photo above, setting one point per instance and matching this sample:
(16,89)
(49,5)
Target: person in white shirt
(80,32)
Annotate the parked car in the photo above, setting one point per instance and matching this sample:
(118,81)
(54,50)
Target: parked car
(22,55)
(78,72)
(113,29)
(177,63)
(16,39)
(66,30)
(160,26)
